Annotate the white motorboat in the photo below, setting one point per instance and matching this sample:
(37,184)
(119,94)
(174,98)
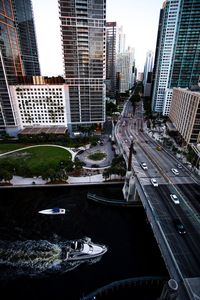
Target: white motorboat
(82,249)
(52,211)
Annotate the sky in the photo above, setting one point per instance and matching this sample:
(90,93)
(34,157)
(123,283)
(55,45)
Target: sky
(139,19)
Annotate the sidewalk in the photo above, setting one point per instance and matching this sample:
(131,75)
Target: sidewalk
(181,157)
(98,178)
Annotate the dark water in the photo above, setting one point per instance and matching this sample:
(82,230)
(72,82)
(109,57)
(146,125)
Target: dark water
(29,242)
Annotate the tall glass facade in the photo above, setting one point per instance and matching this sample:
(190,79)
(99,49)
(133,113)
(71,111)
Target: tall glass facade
(186,59)
(111,58)
(178,59)
(83,27)
(10,61)
(27,38)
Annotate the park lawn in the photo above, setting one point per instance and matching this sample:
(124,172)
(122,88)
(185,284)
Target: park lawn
(40,158)
(9,147)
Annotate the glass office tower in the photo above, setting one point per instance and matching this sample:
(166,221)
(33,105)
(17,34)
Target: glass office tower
(185,69)
(27,38)
(178,63)
(111,58)
(10,62)
(83,28)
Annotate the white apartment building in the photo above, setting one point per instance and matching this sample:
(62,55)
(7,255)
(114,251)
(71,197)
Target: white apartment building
(125,63)
(161,94)
(40,105)
(121,40)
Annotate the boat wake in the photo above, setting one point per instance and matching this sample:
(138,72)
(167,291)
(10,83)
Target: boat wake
(35,258)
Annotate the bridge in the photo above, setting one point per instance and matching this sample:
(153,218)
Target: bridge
(180,249)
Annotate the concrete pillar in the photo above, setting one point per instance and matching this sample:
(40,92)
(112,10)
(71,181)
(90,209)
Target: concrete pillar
(170,290)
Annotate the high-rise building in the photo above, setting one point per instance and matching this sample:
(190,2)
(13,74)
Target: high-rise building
(110,58)
(18,55)
(83,28)
(155,66)
(121,39)
(10,64)
(178,58)
(26,31)
(125,67)
(148,68)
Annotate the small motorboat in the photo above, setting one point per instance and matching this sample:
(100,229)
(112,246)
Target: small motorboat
(53,211)
(82,249)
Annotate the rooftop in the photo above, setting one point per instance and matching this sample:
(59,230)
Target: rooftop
(38,130)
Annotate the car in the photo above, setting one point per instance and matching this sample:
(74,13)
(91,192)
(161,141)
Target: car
(134,151)
(179,226)
(174,198)
(175,171)
(94,166)
(144,166)
(154,182)
(80,151)
(179,166)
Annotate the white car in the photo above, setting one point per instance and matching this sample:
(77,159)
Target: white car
(174,198)
(175,171)
(154,182)
(144,166)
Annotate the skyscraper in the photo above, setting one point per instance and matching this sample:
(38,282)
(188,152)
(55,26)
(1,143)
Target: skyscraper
(10,64)
(148,68)
(27,38)
(18,55)
(110,58)
(83,28)
(125,67)
(178,63)
(121,39)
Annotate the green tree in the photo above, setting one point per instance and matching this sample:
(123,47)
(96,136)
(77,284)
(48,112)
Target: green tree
(7,176)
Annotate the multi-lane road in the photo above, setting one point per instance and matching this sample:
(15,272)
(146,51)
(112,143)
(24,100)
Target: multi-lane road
(185,247)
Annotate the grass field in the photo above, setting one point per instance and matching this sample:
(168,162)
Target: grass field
(38,159)
(9,147)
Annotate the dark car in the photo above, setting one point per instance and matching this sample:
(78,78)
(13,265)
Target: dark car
(179,166)
(94,166)
(80,151)
(179,226)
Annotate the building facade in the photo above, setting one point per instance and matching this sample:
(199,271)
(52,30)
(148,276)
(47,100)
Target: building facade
(16,35)
(185,114)
(148,68)
(83,29)
(121,40)
(40,104)
(27,38)
(125,69)
(111,58)
(168,32)
(178,62)
(10,64)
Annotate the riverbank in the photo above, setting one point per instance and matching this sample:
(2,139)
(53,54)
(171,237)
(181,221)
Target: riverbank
(72,180)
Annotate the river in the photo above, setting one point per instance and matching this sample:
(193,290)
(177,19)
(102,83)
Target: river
(30,241)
